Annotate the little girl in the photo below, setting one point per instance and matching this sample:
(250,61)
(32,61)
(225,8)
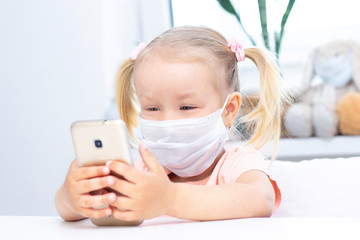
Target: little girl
(186,85)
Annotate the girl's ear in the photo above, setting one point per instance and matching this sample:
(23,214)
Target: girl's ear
(232,108)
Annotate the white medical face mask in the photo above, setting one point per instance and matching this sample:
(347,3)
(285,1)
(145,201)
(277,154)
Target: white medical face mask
(337,71)
(187,147)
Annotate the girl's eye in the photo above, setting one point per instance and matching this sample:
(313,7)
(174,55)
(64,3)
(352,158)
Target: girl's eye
(187,108)
(152,109)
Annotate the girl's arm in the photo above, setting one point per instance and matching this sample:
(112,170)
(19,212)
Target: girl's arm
(153,194)
(251,196)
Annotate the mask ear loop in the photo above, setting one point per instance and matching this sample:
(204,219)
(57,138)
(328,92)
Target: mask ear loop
(226,101)
(223,108)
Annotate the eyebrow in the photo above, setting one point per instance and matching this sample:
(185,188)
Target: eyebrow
(186,94)
(179,95)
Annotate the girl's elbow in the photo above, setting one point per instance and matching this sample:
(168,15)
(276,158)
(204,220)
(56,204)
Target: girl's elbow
(266,205)
(263,202)
(267,210)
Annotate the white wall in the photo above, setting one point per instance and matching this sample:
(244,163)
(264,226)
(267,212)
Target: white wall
(57,64)
(51,75)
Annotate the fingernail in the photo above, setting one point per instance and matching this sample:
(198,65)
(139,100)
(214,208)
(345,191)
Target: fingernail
(108,212)
(110,181)
(144,147)
(108,163)
(106,170)
(112,198)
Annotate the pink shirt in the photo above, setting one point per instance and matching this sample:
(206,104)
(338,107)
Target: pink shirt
(231,166)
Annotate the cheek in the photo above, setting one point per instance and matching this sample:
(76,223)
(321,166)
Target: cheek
(147,115)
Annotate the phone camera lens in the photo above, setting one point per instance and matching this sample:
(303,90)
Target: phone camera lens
(98,143)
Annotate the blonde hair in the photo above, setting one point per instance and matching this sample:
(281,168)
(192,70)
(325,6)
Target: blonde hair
(190,42)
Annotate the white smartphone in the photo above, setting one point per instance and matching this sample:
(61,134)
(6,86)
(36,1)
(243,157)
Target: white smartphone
(97,142)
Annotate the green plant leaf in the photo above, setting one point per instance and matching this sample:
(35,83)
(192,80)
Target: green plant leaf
(227,6)
(263,20)
(279,36)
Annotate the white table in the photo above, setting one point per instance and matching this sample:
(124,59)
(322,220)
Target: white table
(18,227)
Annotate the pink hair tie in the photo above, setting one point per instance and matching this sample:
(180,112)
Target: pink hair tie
(237,48)
(137,50)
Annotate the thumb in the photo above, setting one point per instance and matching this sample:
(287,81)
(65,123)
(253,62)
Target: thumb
(149,159)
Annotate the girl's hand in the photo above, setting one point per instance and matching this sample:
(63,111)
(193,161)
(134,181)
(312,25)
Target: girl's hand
(147,194)
(82,192)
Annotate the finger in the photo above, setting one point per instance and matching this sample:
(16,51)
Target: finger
(124,215)
(96,201)
(124,170)
(93,184)
(123,186)
(149,159)
(90,172)
(73,165)
(123,203)
(95,213)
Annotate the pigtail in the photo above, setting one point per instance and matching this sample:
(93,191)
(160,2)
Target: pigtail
(267,114)
(125,96)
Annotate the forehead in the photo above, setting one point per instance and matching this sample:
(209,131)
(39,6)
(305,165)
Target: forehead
(180,66)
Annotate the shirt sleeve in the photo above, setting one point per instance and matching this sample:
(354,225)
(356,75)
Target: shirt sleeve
(240,160)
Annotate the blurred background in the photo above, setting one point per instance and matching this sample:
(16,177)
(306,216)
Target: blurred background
(58,61)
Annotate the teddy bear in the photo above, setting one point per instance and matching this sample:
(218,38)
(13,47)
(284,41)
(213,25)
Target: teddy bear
(348,110)
(331,73)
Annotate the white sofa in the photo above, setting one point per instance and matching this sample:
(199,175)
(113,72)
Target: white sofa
(319,187)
